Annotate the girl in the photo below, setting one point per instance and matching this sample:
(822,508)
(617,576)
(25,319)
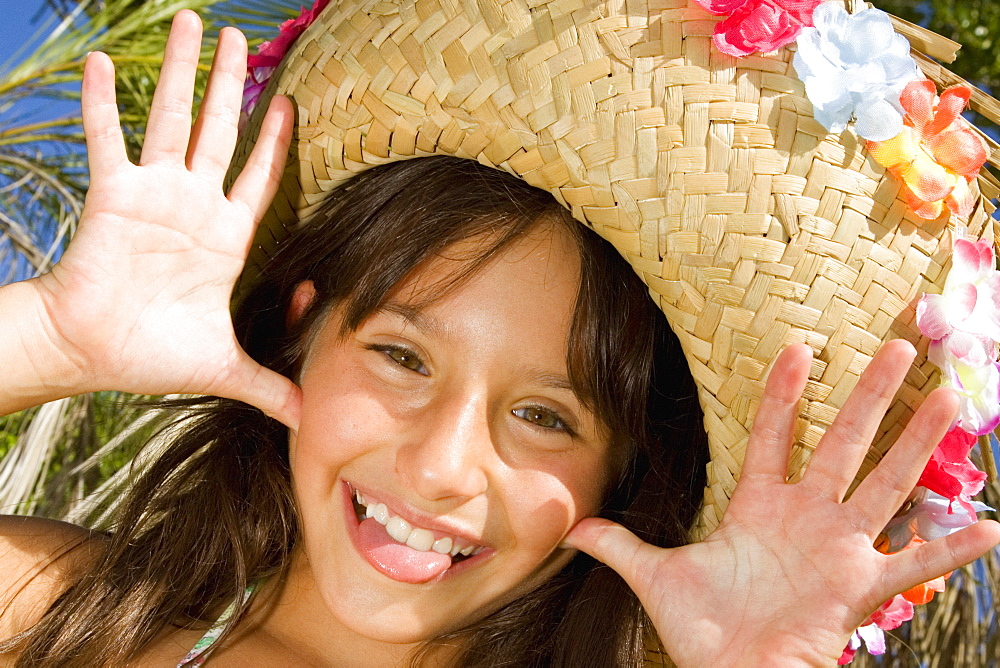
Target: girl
(425,399)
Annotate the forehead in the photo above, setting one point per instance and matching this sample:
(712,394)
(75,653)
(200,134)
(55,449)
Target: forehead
(542,265)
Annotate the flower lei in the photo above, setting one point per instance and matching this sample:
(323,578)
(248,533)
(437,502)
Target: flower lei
(856,68)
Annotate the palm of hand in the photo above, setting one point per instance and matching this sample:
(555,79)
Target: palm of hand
(141,296)
(791,571)
(169,271)
(780,569)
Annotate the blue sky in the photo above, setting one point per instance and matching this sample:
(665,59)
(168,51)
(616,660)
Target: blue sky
(16,27)
(20,29)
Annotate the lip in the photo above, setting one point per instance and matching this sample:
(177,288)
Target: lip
(420,520)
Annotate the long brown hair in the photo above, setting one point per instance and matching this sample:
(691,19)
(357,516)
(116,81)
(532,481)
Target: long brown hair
(215,513)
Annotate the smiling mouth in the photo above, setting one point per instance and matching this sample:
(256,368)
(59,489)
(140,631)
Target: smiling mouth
(414,537)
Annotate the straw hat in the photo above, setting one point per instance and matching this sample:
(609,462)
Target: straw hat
(752,225)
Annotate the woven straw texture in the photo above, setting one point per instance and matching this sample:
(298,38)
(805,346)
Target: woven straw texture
(752,227)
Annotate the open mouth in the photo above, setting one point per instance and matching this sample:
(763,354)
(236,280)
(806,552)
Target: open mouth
(416,538)
(401,551)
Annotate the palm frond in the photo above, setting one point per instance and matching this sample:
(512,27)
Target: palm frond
(55,455)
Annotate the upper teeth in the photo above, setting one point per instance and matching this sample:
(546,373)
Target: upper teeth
(417,538)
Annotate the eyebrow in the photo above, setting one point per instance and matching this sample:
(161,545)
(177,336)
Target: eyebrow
(553,380)
(416,316)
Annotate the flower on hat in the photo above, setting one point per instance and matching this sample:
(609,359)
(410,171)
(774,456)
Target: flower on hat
(929,517)
(758,25)
(261,66)
(924,593)
(889,616)
(970,301)
(950,472)
(978,387)
(855,66)
(873,638)
(937,155)
(964,325)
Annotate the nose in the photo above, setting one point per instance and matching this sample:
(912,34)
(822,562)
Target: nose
(445,455)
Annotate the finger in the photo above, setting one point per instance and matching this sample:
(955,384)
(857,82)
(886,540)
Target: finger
(886,488)
(774,423)
(258,182)
(274,394)
(616,546)
(101,126)
(923,563)
(840,452)
(169,123)
(214,134)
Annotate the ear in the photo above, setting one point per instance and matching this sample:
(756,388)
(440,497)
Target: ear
(302,299)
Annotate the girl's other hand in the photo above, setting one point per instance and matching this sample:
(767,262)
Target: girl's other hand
(140,300)
(791,571)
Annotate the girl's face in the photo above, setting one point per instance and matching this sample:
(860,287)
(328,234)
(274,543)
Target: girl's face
(456,424)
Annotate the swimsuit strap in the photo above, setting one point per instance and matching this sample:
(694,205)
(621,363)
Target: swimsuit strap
(199,653)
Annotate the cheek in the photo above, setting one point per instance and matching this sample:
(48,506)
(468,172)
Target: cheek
(545,505)
(338,425)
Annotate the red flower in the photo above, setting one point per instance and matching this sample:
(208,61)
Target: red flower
(949,472)
(759,25)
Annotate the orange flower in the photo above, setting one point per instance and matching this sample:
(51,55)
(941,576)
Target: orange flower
(924,593)
(937,155)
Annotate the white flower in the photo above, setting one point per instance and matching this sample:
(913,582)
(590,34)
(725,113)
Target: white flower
(931,516)
(855,66)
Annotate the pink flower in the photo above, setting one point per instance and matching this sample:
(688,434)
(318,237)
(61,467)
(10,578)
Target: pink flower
(891,615)
(949,472)
(970,301)
(269,54)
(261,66)
(759,25)
(964,323)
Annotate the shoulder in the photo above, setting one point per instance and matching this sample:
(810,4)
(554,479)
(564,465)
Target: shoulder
(37,556)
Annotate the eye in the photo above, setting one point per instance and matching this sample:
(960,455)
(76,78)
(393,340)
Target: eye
(402,356)
(542,417)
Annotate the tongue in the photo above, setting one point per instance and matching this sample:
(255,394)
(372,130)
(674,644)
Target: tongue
(399,562)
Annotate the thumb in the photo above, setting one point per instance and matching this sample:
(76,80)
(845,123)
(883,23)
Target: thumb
(272,393)
(614,545)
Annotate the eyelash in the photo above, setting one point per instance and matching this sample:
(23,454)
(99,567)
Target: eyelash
(395,352)
(563,426)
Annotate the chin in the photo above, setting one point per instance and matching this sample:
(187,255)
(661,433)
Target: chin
(396,622)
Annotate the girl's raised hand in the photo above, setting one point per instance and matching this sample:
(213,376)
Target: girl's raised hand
(140,300)
(791,571)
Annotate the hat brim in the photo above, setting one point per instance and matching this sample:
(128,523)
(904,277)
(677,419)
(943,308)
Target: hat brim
(752,226)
